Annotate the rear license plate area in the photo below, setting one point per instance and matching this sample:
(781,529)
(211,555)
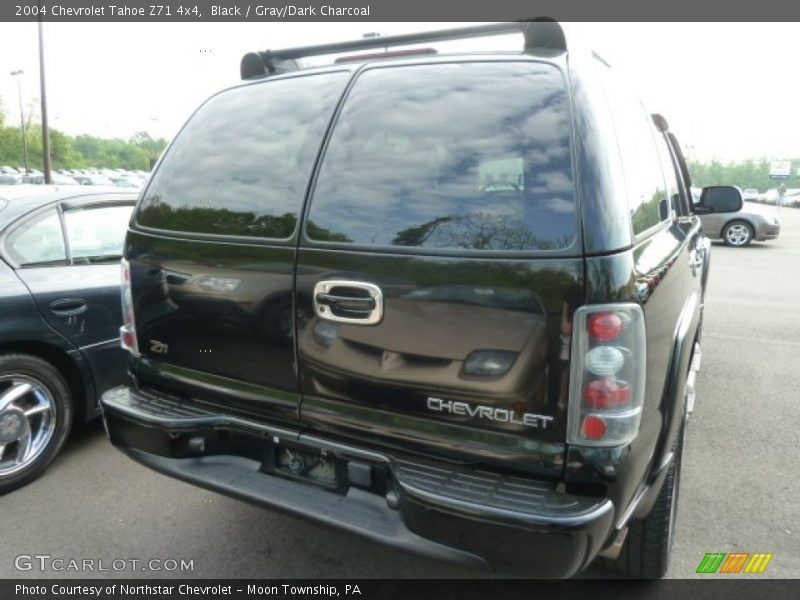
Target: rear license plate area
(309,465)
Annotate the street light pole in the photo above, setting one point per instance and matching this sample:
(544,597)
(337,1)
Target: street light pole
(18,75)
(45,129)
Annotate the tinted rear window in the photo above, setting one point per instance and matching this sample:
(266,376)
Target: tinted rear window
(465,156)
(241,164)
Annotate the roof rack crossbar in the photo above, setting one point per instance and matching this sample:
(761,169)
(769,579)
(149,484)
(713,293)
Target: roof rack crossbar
(540,33)
(660,122)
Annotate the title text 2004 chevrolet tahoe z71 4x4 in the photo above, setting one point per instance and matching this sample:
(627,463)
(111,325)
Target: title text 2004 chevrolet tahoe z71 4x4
(449,303)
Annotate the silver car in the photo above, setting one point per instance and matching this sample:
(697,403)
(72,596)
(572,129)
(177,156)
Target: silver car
(735,225)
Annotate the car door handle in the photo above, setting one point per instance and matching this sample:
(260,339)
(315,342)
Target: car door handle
(68,307)
(347,301)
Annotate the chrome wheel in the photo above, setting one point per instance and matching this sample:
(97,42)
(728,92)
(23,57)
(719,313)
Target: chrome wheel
(738,234)
(27,422)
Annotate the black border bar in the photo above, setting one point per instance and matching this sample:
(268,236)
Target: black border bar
(381,589)
(185,11)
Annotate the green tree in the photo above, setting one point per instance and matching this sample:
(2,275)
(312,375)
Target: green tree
(78,152)
(10,146)
(751,173)
(63,152)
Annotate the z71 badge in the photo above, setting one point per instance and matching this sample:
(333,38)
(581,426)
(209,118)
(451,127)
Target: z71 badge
(158,347)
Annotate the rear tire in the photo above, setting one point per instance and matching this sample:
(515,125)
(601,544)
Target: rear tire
(647,549)
(738,234)
(35,418)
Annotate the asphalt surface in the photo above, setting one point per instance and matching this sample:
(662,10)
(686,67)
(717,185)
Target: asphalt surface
(739,490)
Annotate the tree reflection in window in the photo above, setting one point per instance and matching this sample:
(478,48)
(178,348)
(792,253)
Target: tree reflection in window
(220,221)
(469,156)
(477,231)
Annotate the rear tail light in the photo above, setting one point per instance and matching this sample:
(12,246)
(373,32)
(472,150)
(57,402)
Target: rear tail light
(605,326)
(607,375)
(127,333)
(594,428)
(606,394)
(604,361)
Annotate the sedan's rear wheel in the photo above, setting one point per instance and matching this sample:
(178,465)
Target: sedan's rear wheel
(35,418)
(737,234)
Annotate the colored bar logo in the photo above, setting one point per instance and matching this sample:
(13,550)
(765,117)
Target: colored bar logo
(735,562)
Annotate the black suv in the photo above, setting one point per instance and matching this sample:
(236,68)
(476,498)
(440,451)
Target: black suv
(449,303)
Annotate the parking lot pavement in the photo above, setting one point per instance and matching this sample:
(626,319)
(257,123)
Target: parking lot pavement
(739,488)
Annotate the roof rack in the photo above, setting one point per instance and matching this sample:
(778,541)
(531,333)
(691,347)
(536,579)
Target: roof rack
(542,35)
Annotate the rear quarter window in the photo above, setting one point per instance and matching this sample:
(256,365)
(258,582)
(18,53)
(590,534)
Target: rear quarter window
(38,241)
(648,198)
(469,156)
(241,164)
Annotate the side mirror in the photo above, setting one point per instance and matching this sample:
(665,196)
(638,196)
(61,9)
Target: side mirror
(720,199)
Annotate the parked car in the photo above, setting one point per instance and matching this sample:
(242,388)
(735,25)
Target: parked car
(93,180)
(11,179)
(126,182)
(791,198)
(750,194)
(735,223)
(6,170)
(59,332)
(772,196)
(476,285)
(55,179)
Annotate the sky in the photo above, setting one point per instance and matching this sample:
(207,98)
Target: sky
(730,91)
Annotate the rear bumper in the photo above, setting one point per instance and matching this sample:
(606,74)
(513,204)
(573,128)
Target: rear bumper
(443,512)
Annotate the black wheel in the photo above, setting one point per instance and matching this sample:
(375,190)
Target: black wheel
(737,234)
(35,418)
(647,549)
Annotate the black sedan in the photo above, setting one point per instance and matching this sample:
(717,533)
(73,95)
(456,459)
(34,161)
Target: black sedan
(60,316)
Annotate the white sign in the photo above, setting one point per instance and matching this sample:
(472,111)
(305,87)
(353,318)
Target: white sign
(780,169)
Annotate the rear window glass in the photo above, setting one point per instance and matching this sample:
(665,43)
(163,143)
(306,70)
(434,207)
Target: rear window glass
(241,164)
(466,156)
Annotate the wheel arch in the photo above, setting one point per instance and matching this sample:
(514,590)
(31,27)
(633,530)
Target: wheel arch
(745,220)
(69,365)
(672,404)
